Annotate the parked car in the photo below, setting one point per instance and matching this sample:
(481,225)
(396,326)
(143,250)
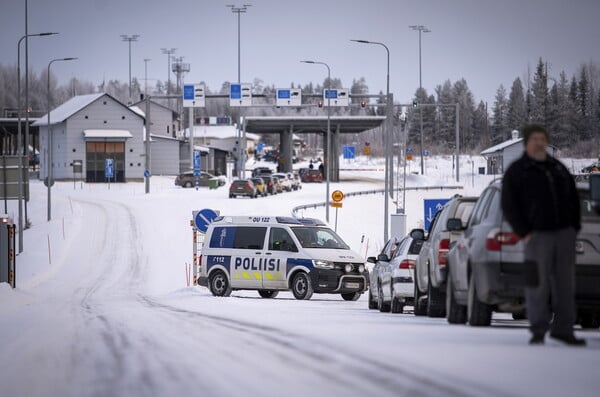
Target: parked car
(261,171)
(286,184)
(587,262)
(312,176)
(377,264)
(277,184)
(395,287)
(270,184)
(298,181)
(486,266)
(591,167)
(293,181)
(261,186)
(243,187)
(430,267)
(187,179)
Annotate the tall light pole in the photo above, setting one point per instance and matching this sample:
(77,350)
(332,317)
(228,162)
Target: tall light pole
(420,29)
(49,132)
(328,156)
(129,39)
(239,10)
(168,52)
(20,152)
(146,60)
(389,168)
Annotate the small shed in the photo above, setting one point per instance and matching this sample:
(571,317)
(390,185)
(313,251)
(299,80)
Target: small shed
(502,155)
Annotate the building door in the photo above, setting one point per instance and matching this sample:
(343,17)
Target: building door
(96,154)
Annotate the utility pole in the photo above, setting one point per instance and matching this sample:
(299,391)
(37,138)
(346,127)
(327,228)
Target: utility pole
(146,60)
(168,52)
(129,39)
(420,29)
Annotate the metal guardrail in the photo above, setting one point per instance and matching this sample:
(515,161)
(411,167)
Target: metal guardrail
(374,191)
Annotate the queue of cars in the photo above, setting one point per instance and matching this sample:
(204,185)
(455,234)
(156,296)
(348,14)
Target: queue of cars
(471,264)
(264,182)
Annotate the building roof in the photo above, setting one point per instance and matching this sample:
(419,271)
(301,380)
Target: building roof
(106,134)
(142,104)
(217,132)
(310,124)
(501,146)
(72,106)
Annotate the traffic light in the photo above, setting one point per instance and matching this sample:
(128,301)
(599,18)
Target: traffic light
(415,105)
(320,104)
(363,104)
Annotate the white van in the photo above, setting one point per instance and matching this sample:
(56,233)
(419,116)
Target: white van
(272,254)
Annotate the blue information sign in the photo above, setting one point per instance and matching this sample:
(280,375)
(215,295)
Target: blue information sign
(203,218)
(146,174)
(349,152)
(331,94)
(425,153)
(410,151)
(283,94)
(109,168)
(235,91)
(431,208)
(188,92)
(196,160)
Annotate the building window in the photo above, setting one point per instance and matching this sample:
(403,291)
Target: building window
(122,117)
(86,117)
(74,150)
(105,121)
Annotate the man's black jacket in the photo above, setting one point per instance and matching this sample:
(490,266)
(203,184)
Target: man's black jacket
(539,196)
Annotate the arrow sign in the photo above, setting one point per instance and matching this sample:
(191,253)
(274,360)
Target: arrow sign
(203,218)
(432,206)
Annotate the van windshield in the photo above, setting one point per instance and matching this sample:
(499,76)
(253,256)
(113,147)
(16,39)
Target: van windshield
(319,237)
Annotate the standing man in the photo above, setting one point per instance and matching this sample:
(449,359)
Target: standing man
(540,201)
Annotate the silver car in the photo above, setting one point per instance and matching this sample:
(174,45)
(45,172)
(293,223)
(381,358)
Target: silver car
(431,265)
(485,266)
(377,266)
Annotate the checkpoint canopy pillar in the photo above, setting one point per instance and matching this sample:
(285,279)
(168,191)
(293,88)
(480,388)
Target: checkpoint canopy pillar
(335,154)
(287,146)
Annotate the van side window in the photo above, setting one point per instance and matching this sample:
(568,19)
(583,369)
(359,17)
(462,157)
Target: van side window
(251,238)
(280,240)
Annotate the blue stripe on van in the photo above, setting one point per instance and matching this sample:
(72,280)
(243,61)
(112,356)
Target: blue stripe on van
(223,260)
(293,262)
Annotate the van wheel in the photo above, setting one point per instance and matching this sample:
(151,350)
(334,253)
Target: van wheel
(479,313)
(301,286)
(267,293)
(351,296)
(219,285)
(372,302)
(420,307)
(455,313)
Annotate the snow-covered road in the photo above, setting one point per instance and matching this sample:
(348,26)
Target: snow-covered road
(112,317)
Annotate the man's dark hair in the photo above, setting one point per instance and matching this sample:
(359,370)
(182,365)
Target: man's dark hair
(532,128)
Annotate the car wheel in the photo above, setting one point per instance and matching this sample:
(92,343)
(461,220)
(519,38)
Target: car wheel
(589,321)
(420,306)
(479,314)
(301,287)
(436,300)
(455,313)
(219,284)
(188,184)
(397,306)
(381,305)
(372,302)
(267,293)
(521,315)
(351,296)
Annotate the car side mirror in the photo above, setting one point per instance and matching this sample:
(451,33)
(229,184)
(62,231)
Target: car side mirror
(454,225)
(417,234)
(382,258)
(372,259)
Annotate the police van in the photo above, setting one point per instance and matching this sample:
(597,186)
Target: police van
(272,254)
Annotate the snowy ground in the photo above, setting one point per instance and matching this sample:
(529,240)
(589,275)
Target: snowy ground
(111,314)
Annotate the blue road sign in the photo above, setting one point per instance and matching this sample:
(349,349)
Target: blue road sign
(196,160)
(235,91)
(283,94)
(431,208)
(188,92)
(196,173)
(410,151)
(260,147)
(146,174)
(203,218)
(331,94)
(425,153)
(109,168)
(349,152)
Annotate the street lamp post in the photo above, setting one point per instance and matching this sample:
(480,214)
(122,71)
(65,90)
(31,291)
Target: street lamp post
(20,135)
(168,52)
(146,60)
(327,157)
(49,157)
(239,11)
(389,169)
(420,29)
(129,39)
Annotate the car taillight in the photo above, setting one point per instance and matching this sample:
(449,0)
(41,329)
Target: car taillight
(270,183)
(496,240)
(231,187)
(407,264)
(248,186)
(443,249)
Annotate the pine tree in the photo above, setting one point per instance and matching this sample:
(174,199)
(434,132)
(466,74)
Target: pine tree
(517,107)
(500,128)
(446,115)
(539,94)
